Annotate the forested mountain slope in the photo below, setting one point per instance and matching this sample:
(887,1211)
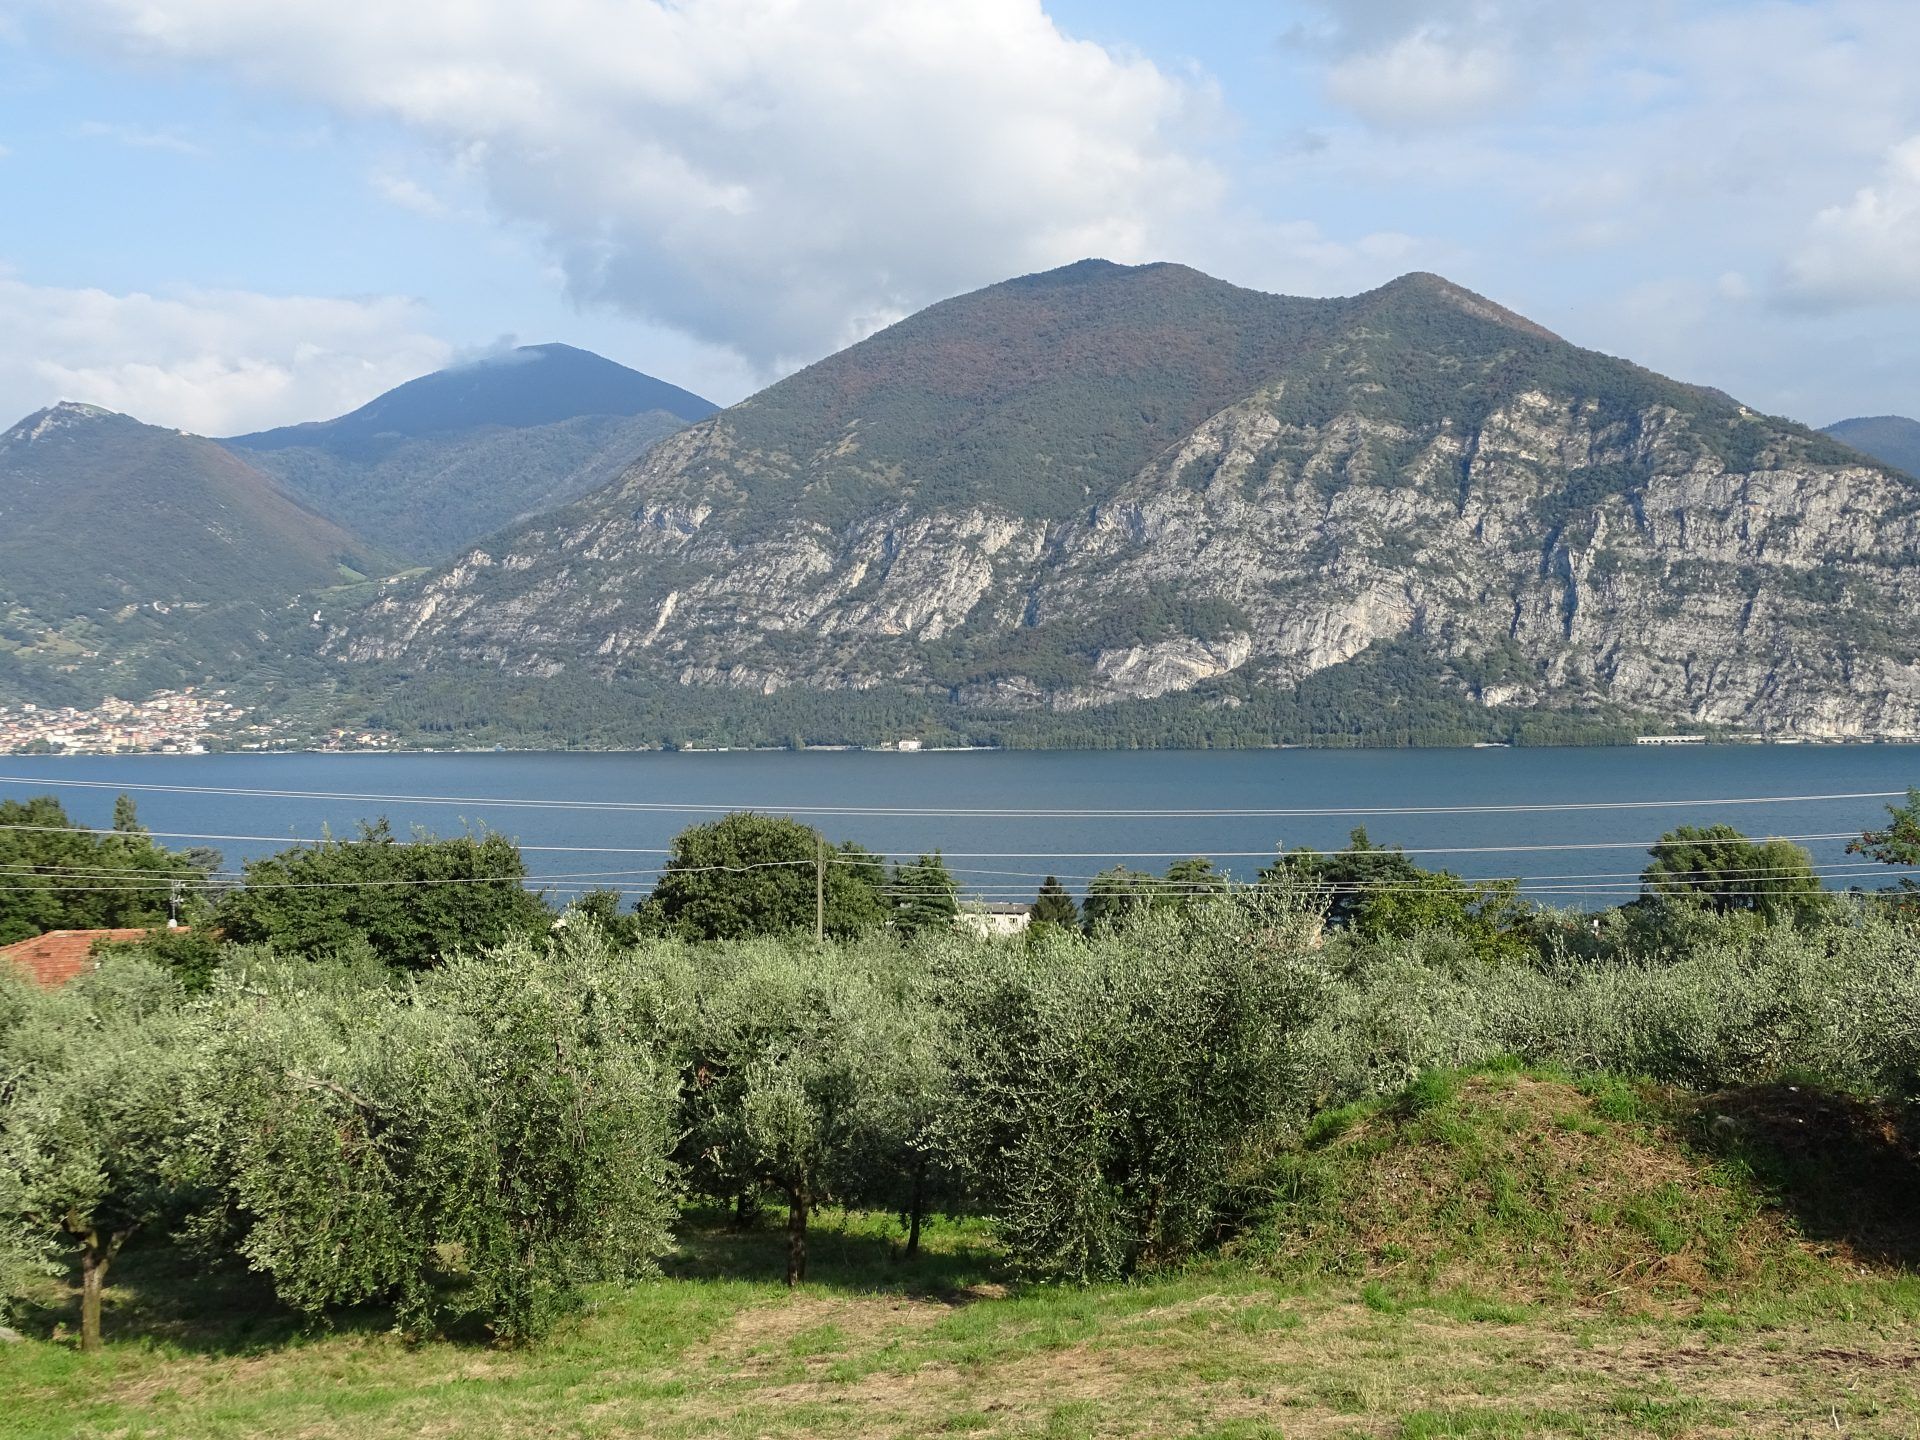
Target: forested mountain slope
(1890,438)
(134,558)
(1111,483)
(438,462)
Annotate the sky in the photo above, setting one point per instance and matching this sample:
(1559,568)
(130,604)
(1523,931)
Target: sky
(225,215)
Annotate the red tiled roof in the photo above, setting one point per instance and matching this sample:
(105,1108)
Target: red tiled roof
(57,956)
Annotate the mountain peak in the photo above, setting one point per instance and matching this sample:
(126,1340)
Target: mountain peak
(80,410)
(529,386)
(65,415)
(1425,289)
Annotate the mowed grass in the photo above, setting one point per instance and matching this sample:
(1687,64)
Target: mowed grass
(1510,1328)
(877,1347)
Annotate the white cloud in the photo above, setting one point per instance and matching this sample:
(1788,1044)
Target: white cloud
(213,362)
(1867,251)
(409,194)
(139,137)
(1734,287)
(1423,79)
(770,176)
(1412,65)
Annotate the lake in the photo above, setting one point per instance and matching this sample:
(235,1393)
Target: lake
(557,805)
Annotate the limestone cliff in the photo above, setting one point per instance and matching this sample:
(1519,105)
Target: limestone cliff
(1108,483)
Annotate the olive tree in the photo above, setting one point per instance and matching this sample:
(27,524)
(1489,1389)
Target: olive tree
(89,1080)
(904,1093)
(803,1082)
(1105,1088)
(479,1141)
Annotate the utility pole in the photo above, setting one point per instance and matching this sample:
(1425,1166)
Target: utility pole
(819,887)
(173,903)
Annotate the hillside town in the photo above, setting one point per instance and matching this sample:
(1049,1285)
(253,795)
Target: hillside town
(170,722)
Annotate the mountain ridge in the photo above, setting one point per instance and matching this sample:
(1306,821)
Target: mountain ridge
(1107,484)
(1892,439)
(137,556)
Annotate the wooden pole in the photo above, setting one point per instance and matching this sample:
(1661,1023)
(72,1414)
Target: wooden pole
(820,887)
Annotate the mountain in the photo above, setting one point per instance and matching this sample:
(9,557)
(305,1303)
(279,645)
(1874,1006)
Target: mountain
(438,462)
(134,557)
(1893,439)
(1138,504)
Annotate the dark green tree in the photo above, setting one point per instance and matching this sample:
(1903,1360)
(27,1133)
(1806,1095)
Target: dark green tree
(1897,844)
(63,877)
(1345,879)
(924,895)
(1117,893)
(126,817)
(750,874)
(1188,882)
(1718,868)
(1054,905)
(411,902)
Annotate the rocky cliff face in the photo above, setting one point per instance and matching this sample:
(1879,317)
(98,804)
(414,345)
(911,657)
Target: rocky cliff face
(1411,463)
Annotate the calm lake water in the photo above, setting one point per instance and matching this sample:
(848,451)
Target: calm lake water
(1004,856)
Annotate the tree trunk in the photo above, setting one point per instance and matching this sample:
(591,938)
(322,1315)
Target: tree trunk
(796,1234)
(916,1206)
(96,1254)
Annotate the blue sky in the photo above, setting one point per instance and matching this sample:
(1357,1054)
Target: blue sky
(223,215)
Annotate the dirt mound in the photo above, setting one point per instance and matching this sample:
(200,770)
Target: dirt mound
(1526,1185)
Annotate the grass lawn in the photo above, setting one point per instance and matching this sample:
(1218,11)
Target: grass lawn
(876,1347)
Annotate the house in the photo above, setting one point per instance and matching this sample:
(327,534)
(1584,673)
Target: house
(993,919)
(57,956)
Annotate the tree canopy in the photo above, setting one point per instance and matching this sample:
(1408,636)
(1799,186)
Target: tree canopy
(410,902)
(924,895)
(1721,869)
(751,874)
(64,877)
(1898,843)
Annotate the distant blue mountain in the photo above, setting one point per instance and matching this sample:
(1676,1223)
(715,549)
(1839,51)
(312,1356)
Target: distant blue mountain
(442,461)
(532,385)
(1891,439)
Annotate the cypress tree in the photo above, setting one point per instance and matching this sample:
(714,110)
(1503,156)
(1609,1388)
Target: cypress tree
(924,895)
(1054,906)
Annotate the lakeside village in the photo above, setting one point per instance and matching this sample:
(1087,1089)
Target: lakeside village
(170,722)
(193,721)
(196,721)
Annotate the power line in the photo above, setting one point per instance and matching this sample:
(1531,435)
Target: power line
(1540,885)
(1828,870)
(933,812)
(1188,854)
